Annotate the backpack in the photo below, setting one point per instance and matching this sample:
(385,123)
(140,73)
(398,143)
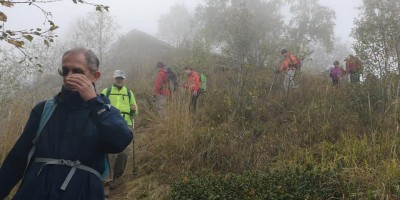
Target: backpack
(48,110)
(172,80)
(203,83)
(354,65)
(296,60)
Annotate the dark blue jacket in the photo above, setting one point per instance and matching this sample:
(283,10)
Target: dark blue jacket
(75,131)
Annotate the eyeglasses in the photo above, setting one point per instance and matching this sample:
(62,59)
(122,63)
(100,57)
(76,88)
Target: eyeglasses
(64,71)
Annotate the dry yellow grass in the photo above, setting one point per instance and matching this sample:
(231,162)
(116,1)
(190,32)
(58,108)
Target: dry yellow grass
(352,130)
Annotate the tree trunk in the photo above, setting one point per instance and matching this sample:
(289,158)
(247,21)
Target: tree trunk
(398,57)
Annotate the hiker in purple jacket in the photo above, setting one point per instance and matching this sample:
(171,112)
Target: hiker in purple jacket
(69,156)
(336,73)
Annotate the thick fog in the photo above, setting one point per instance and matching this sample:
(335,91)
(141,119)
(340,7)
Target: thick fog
(143,15)
(268,99)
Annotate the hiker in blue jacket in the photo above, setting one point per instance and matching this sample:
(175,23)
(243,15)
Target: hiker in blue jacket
(69,156)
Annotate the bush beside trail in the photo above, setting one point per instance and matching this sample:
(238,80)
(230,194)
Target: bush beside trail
(283,184)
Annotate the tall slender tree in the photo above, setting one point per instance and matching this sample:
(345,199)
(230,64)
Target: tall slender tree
(176,26)
(377,36)
(97,31)
(310,22)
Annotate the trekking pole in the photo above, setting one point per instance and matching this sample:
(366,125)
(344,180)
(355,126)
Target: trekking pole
(272,84)
(134,168)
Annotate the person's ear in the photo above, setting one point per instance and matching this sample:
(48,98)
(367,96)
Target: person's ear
(96,76)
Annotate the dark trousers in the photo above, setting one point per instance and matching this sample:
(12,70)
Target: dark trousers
(335,81)
(354,77)
(120,165)
(193,103)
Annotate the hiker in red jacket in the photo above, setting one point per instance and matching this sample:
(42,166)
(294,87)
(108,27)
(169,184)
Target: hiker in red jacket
(193,84)
(161,91)
(354,68)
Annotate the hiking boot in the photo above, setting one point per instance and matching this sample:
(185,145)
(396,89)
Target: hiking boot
(107,190)
(114,185)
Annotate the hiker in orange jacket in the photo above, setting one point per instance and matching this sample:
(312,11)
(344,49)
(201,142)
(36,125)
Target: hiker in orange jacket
(193,84)
(290,64)
(161,91)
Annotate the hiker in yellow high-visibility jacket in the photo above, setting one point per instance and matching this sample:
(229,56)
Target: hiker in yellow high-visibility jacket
(124,100)
(120,98)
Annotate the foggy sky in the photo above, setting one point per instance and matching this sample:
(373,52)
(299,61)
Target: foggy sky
(346,12)
(143,14)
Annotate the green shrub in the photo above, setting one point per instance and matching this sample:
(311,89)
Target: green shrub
(282,184)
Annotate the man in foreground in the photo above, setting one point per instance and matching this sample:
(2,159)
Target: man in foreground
(67,161)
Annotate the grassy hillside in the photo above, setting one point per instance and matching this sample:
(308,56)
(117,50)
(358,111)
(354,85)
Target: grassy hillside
(317,142)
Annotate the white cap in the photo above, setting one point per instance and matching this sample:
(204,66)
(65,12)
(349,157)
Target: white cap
(119,73)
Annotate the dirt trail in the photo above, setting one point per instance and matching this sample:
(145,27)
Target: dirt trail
(129,184)
(122,190)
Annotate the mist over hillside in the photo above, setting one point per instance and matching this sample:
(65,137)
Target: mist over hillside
(136,51)
(290,111)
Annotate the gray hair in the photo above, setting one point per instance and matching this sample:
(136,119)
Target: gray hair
(91,59)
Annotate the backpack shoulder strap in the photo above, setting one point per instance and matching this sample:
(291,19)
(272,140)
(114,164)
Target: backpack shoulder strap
(108,92)
(107,170)
(48,110)
(129,94)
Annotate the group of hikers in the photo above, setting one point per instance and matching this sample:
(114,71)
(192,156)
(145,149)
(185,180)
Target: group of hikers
(292,64)
(74,145)
(124,100)
(166,82)
(353,68)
